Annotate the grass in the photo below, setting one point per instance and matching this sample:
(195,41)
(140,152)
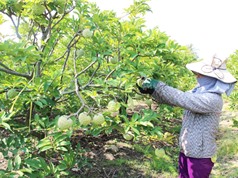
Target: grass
(226,165)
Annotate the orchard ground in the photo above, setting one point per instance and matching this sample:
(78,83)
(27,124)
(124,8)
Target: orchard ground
(113,156)
(227,155)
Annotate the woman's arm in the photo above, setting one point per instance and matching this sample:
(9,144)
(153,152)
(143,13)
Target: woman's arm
(195,102)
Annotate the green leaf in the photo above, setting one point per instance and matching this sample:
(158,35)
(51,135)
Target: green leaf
(46,86)
(60,137)
(9,165)
(17,161)
(135,130)
(44,144)
(62,167)
(62,149)
(63,143)
(26,170)
(46,147)
(33,163)
(42,100)
(145,123)
(44,165)
(6,125)
(39,104)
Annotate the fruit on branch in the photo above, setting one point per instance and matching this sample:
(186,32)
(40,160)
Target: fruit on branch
(84,119)
(113,106)
(64,122)
(114,60)
(80,52)
(140,81)
(87,33)
(128,136)
(12,93)
(98,119)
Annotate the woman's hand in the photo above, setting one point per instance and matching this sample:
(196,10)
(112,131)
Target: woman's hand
(148,86)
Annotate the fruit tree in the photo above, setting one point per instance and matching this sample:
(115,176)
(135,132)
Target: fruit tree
(70,67)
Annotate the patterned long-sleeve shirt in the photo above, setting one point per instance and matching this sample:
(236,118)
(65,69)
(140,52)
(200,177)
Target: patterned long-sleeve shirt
(200,120)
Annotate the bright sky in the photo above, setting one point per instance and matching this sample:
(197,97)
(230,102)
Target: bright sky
(209,25)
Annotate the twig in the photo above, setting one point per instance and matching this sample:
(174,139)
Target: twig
(9,71)
(109,75)
(85,69)
(64,66)
(77,89)
(90,80)
(15,25)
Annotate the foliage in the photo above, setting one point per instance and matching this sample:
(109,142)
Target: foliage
(232,63)
(52,78)
(227,152)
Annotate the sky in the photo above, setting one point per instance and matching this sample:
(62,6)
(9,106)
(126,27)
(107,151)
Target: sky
(210,26)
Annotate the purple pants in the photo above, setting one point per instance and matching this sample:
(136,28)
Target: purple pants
(194,167)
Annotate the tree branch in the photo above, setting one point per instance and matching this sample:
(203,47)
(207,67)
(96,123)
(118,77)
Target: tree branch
(16,25)
(90,80)
(85,69)
(65,63)
(71,43)
(9,71)
(109,75)
(77,89)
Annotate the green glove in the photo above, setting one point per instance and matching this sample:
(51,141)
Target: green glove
(147,86)
(149,83)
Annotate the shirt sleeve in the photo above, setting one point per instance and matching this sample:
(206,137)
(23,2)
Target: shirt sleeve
(195,102)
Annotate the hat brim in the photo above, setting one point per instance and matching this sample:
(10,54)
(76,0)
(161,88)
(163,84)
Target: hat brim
(227,77)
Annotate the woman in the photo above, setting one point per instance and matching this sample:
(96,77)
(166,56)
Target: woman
(203,107)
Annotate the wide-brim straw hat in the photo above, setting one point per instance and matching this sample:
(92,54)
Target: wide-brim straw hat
(215,68)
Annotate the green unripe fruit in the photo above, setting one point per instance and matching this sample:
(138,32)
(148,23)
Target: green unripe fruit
(113,106)
(128,136)
(12,93)
(87,33)
(84,119)
(114,60)
(140,82)
(80,52)
(98,119)
(64,122)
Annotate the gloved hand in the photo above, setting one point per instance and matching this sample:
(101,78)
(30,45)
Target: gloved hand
(148,86)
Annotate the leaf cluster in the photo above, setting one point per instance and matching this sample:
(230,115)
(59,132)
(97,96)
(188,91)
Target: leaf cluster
(51,78)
